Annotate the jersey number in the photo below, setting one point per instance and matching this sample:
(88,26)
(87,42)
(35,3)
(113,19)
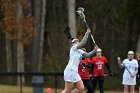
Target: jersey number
(99,66)
(83,69)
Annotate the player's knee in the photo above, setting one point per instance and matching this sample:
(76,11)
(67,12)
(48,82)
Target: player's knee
(81,89)
(125,87)
(69,90)
(132,89)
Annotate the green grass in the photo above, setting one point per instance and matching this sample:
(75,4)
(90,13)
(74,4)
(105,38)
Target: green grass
(16,89)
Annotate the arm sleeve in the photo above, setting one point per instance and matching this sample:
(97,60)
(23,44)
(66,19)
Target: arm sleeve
(139,67)
(83,41)
(89,65)
(106,61)
(120,64)
(88,54)
(91,69)
(136,71)
(108,67)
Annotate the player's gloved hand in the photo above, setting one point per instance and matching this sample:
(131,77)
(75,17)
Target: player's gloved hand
(119,59)
(88,32)
(132,76)
(111,74)
(95,48)
(92,77)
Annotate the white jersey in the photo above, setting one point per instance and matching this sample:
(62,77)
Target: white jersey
(131,66)
(75,58)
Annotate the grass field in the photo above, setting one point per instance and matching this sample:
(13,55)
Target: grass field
(15,89)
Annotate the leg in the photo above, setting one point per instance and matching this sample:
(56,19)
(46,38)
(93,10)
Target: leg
(88,85)
(139,89)
(68,87)
(126,88)
(101,84)
(79,87)
(132,89)
(94,83)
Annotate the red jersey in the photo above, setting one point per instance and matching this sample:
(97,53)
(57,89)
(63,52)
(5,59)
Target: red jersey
(84,71)
(98,64)
(138,57)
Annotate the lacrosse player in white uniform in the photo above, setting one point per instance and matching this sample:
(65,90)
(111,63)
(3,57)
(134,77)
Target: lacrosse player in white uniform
(129,76)
(71,75)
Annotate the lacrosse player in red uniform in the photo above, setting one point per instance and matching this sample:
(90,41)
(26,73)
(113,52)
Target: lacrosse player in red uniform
(138,58)
(84,70)
(99,62)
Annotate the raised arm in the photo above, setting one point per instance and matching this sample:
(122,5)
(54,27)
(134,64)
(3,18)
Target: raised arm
(84,40)
(119,62)
(90,53)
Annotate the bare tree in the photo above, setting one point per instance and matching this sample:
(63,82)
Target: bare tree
(20,48)
(42,32)
(71,17)
(8,53)
(36,39)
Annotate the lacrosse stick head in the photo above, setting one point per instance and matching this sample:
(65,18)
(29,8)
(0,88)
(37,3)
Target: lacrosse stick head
(67,32)
(80,12)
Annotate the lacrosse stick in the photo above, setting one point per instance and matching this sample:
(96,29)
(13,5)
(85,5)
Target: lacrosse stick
(104,75)
(68,34)
(128,70)
(80,11)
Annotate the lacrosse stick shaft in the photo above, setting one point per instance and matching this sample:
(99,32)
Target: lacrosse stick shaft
(90,33)
(128,70)
(93,39)
(86,24)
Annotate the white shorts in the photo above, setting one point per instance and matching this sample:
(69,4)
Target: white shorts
(129,81)
(71,75)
